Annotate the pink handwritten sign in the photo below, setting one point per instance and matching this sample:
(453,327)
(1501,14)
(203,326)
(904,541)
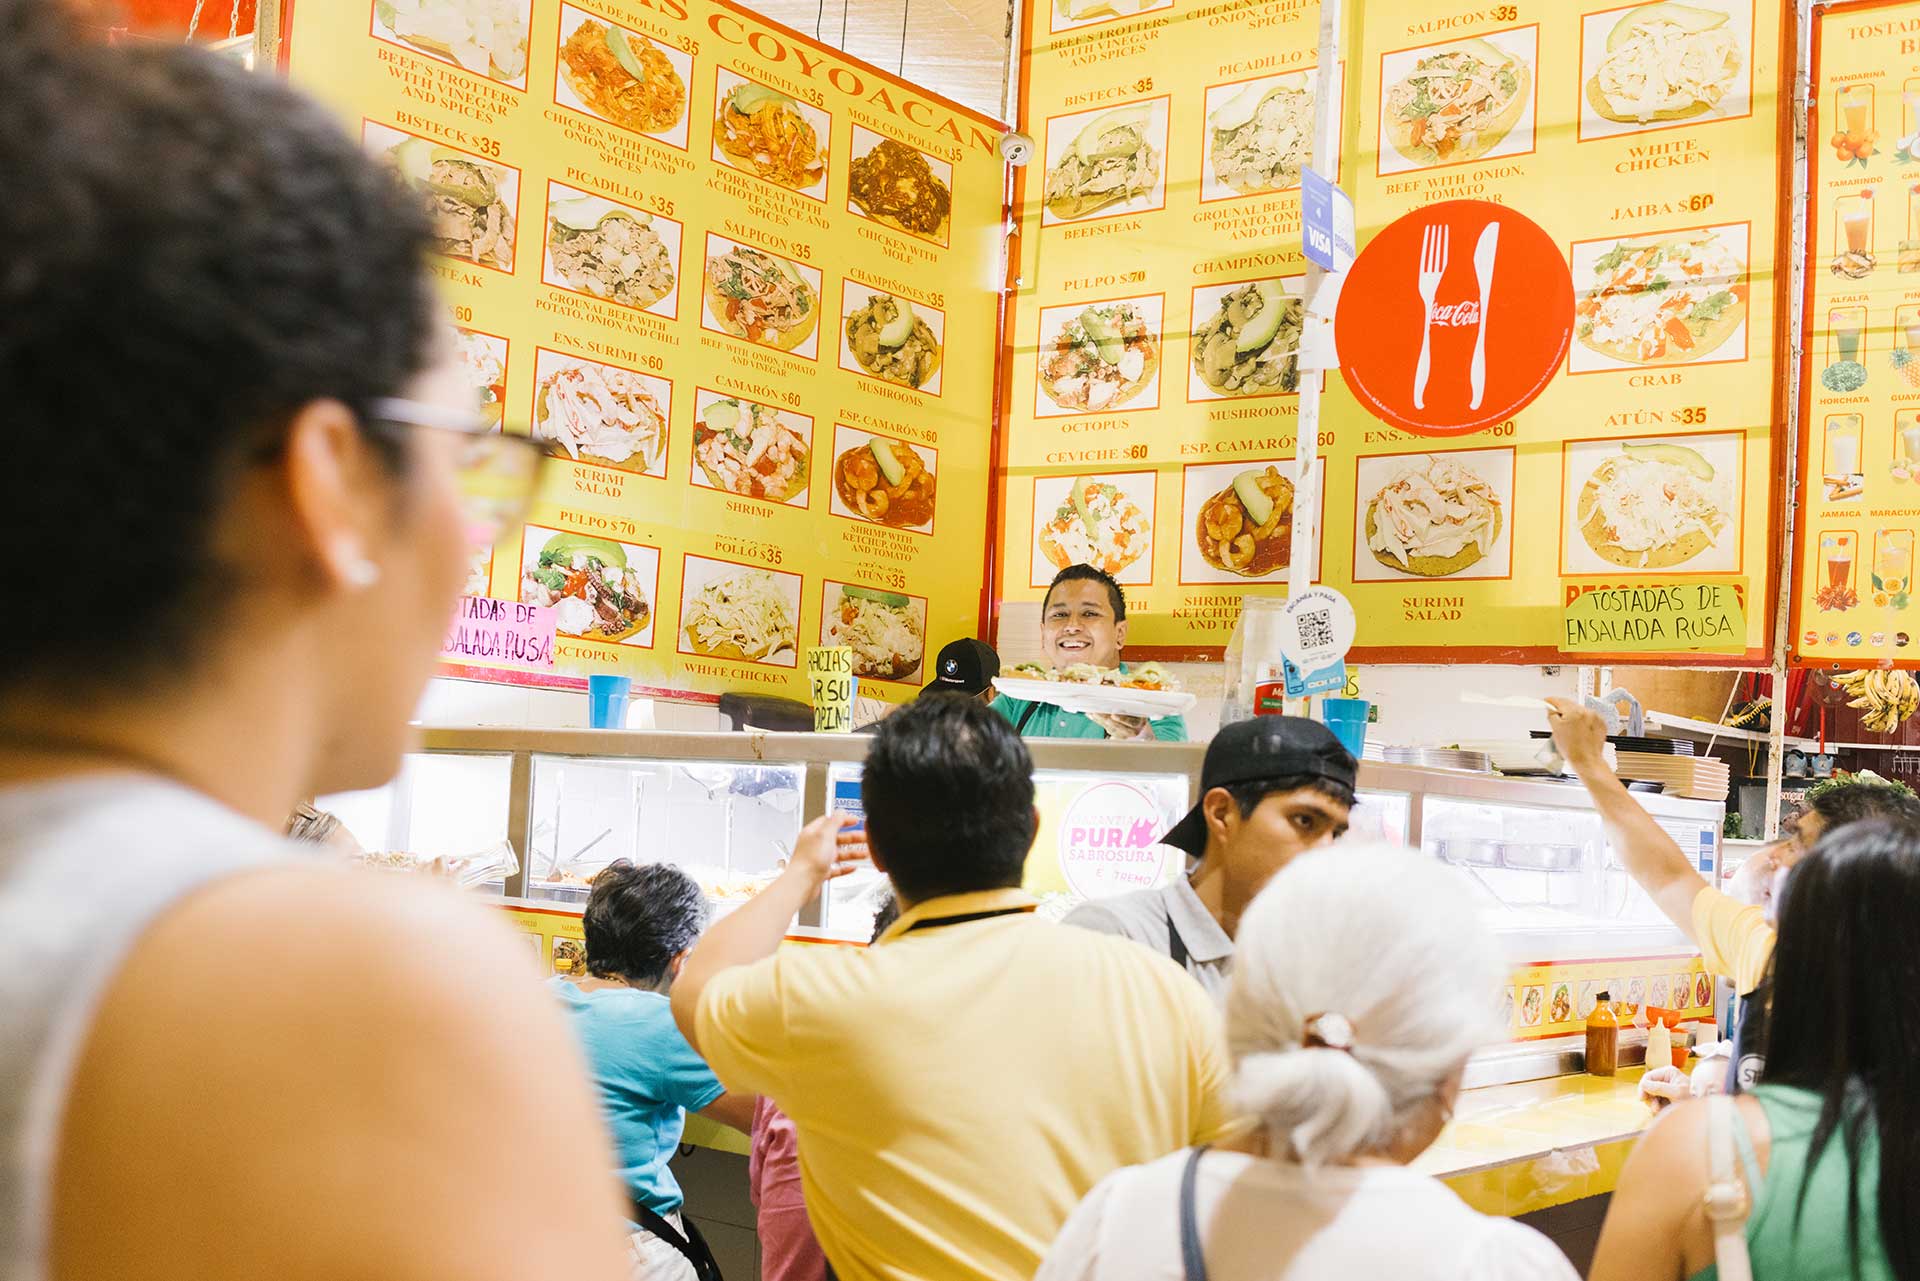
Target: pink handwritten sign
(485,630)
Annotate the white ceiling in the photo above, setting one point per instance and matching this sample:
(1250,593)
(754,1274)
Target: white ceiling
(957,48)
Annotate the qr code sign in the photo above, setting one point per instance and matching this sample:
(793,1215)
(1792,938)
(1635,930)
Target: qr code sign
(1316,628)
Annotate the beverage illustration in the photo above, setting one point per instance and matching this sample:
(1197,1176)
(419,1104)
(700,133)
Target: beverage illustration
(1841,469)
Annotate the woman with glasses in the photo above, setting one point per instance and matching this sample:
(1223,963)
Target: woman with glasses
(218,1058)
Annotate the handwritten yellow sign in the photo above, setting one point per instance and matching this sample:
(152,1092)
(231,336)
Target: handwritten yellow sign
(830,680)
(1671,618)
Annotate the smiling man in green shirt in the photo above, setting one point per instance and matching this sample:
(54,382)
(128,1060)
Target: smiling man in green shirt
(1084,620)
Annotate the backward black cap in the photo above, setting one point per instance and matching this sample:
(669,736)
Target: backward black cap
(1265,747)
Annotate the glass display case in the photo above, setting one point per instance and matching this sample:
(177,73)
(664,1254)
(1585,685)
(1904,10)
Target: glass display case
(728,807)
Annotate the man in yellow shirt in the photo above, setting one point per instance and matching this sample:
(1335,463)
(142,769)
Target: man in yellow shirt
(1735,939)
(960,1086)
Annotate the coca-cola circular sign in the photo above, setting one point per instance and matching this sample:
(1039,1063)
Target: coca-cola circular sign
(1454,318)
(1109,841)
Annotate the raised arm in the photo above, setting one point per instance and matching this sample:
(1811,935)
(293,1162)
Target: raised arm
(1650,856)
(753,931)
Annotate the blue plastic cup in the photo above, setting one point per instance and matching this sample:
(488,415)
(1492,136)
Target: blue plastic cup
(607,701)
(1347,718)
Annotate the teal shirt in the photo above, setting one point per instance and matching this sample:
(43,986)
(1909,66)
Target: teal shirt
(1819,1251)
(649,1078)
(1049,721)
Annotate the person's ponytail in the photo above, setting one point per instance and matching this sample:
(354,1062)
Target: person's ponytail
(1324,1104)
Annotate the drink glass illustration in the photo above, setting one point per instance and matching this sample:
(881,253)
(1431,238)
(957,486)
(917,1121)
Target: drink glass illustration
(1843,445)
(1908,428)
(1856,223)
(1912,331)
(1838,551)
(1893,558)
(1910,99)
(1856,108)
(1846,324)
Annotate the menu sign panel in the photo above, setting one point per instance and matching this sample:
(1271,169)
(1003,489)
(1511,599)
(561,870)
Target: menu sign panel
(1860,381)
(1153,363)
(739,285)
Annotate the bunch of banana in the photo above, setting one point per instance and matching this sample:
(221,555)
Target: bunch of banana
(1888,697)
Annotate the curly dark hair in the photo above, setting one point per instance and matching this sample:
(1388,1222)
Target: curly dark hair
(639,917)
(189,253)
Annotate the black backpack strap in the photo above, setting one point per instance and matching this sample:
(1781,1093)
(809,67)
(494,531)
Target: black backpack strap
(691,1246)
(1193,1261)
(1020,726)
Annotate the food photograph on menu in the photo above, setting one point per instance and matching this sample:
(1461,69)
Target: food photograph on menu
(1101,357)
(1258,134)
(470,203)
(1066,15)
(887,631)
(486,37)
(1438,515)
(1105,521)
(891,338)
(1237,520)
(1106,162)
(770,135)
(589,412)
(612,251)
(883,481)
(1445,104)
(598,589)
(739,612)
(1653,66)
(900,186)
(1652,505)
(761,297)
(751,450)
(483,358)
(622,76)
(1246,339)
(1666,298)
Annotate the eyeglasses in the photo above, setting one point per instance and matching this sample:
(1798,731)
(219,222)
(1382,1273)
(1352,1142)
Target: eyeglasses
(498,473)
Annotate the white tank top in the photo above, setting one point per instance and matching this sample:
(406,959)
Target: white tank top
(86,866)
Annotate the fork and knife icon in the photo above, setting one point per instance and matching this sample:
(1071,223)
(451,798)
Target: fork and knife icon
(1435,241)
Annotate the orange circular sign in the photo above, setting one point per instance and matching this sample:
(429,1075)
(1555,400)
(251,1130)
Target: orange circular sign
(1454,318)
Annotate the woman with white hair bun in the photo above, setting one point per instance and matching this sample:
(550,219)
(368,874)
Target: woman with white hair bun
(1362,982)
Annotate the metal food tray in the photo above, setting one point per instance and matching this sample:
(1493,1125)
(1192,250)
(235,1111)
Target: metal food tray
(1479,853)
(1540,858)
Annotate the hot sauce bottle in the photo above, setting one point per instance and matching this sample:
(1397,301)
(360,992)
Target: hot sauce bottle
(1603,1039)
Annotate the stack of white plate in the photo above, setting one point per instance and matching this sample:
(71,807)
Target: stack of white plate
(1440,758)
(1700,777)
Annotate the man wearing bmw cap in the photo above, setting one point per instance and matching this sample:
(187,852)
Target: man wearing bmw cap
(1271,788)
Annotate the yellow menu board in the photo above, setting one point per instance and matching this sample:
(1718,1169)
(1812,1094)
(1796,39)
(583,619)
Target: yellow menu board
(741,285)
(1860,379)
(1151,379)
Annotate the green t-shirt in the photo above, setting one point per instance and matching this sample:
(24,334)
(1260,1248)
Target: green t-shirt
(1818,1251)
(1049,721)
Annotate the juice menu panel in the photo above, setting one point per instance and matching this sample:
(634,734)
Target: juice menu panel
(1152,369)
(1860,377)
(739,285)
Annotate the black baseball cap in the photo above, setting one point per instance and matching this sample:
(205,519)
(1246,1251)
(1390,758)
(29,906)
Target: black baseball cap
(964,667)
(1253,751)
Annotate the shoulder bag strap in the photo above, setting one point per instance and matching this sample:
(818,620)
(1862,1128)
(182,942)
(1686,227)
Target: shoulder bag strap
(1020,727)
(1728,1199)
(1176,946)
(690,1246)
(1193,1261)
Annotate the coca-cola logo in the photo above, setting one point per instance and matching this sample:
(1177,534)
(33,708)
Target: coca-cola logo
(1456,315)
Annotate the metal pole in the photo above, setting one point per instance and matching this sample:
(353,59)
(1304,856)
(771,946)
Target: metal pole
(1796,335)
(1324,159)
